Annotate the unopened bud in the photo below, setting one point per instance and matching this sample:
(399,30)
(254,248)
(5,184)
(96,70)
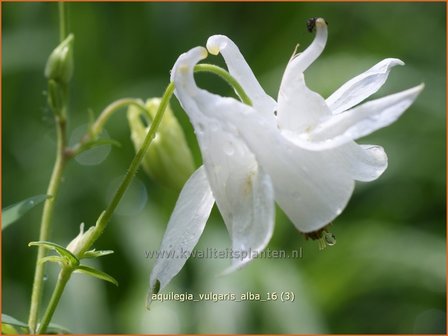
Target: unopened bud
(56,96)
(168,159)
(60,63)
(78,245)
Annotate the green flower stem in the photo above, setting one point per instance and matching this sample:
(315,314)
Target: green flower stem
(46,221)
(62,21)
(105,216)
(63,277)
(52,190)
(97,127)
(227,77)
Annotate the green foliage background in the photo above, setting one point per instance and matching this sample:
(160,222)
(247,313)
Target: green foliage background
(387,272)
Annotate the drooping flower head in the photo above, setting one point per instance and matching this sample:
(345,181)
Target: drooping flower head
(298,151)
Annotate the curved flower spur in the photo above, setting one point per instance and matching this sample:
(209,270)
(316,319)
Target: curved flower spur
(299,151)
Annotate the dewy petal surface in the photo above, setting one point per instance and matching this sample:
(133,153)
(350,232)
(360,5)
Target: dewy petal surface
(311,187)
(363,162)
(299,108)
(184,228)
(241,71)
(362,86)
(366,118)
(243,192)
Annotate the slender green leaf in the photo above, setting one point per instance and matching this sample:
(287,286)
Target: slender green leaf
(12,326)
(13,212)
(56,259)
(96,273)
(6,319)
(57,329)
(95,254)
(106,141)
(97,143)
(62,251)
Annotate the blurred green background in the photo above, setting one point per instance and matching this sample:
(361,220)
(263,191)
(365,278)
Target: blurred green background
(385,275)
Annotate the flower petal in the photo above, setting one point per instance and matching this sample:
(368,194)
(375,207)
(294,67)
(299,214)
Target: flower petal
(302,61)
(362,86)
(364,119)
(243,192)
(184,228)
(299,108)
(241,71)
(311,187)
(363,162)
(253,211)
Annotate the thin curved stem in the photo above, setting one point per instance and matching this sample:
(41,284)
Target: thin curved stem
(46,221)
(227,77)
(62,21)
(105,216)
(63,277)
(52,190)
(97,127)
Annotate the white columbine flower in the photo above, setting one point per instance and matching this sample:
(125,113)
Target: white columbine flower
(304,157)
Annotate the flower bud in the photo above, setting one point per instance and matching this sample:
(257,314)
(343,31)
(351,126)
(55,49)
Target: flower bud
(56,96)
(168,159)
(60,63)
(77,245)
